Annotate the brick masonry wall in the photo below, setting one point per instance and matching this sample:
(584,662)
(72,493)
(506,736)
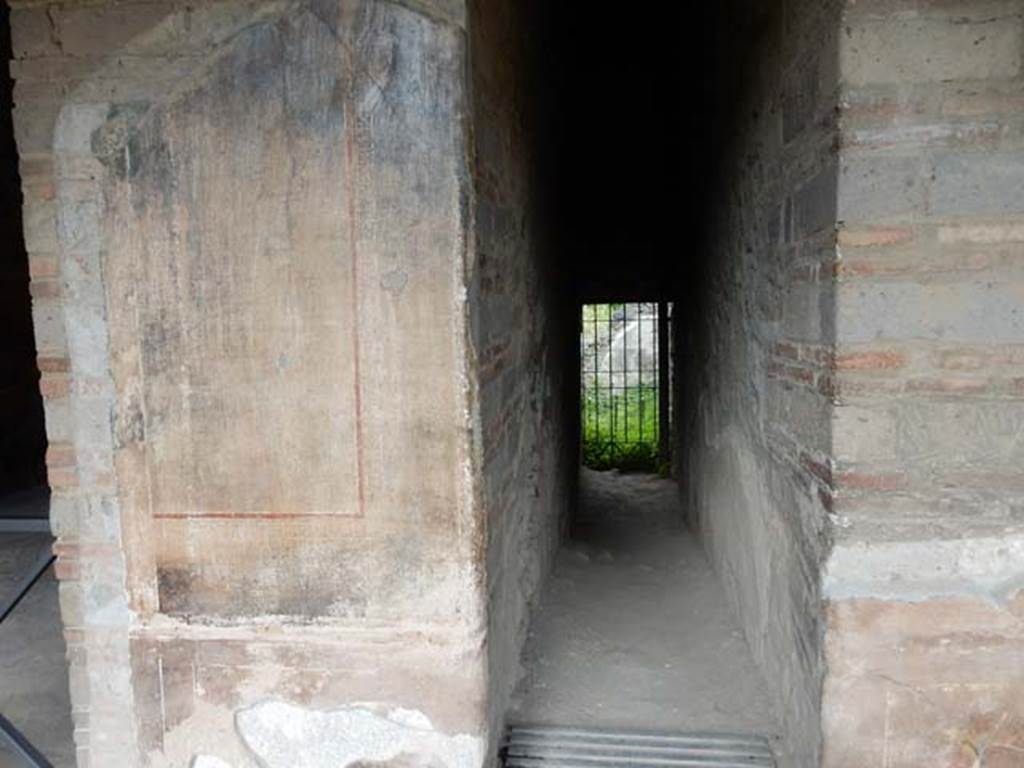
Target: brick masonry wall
(523,337)
(754,347)
(925,648)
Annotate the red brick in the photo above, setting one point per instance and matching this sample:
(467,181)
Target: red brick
(880,109)
(67,570)
(60,455)
(53,364)
(41,190)
(973,359)
(949,386)
(787,350)
(914,265)
(871,481)
(62,477)
(54,387)
(820,469)
(790,373)
(871,360)
(42,266)
(34,167)
(77,550)
(74,636)
(44,289)
(860,238)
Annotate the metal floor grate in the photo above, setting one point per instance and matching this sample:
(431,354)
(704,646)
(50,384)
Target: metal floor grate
(550,747)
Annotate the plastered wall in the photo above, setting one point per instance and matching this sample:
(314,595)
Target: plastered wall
(254,220)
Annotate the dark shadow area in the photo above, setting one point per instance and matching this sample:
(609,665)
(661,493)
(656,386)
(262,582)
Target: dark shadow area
(632,116)
(620,123)
(22,428)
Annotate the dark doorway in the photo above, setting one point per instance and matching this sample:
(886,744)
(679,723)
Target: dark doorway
(23,489)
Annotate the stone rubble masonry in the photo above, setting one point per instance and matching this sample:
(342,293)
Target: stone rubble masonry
(924,645)
(523,333)
(755,405)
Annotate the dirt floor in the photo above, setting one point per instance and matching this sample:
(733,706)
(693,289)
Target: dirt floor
(33,669)
(633,629)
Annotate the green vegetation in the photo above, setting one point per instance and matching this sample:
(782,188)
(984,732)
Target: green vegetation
(620,430)
(619,387)
(600,314)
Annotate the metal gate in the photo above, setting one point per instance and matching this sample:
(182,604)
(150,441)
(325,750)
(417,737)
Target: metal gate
(624,387)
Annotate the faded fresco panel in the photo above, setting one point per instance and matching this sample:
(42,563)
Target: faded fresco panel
(282,261)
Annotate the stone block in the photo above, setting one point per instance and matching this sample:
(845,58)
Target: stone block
(39,219)
(863,434)
(935,49)
(953,432)
(976,310)
(877,187)
(978,184)
(100,29)
(34,124)
(48,320)
(32,33)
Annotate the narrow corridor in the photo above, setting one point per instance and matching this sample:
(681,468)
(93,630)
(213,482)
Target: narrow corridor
(633,630)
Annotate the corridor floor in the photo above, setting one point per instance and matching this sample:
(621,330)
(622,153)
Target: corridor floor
(633,630)
(33,668)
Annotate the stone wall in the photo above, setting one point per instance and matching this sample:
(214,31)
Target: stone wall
(754,331)
(247,223)
(925,641)
(523,332)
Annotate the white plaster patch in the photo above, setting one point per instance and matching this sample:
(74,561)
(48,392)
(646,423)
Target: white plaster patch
(920,570)
(209,761)
(283,735)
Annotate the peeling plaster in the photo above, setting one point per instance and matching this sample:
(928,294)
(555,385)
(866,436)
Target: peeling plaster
(208,761)
(283,735)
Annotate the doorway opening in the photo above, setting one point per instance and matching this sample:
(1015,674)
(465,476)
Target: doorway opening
(625,386)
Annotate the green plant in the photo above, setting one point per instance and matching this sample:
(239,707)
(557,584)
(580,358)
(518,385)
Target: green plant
(620,429)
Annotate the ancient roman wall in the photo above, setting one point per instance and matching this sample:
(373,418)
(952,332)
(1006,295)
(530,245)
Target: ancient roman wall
(925,641)
(251,223)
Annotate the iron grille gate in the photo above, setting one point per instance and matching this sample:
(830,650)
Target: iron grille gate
(625,386)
